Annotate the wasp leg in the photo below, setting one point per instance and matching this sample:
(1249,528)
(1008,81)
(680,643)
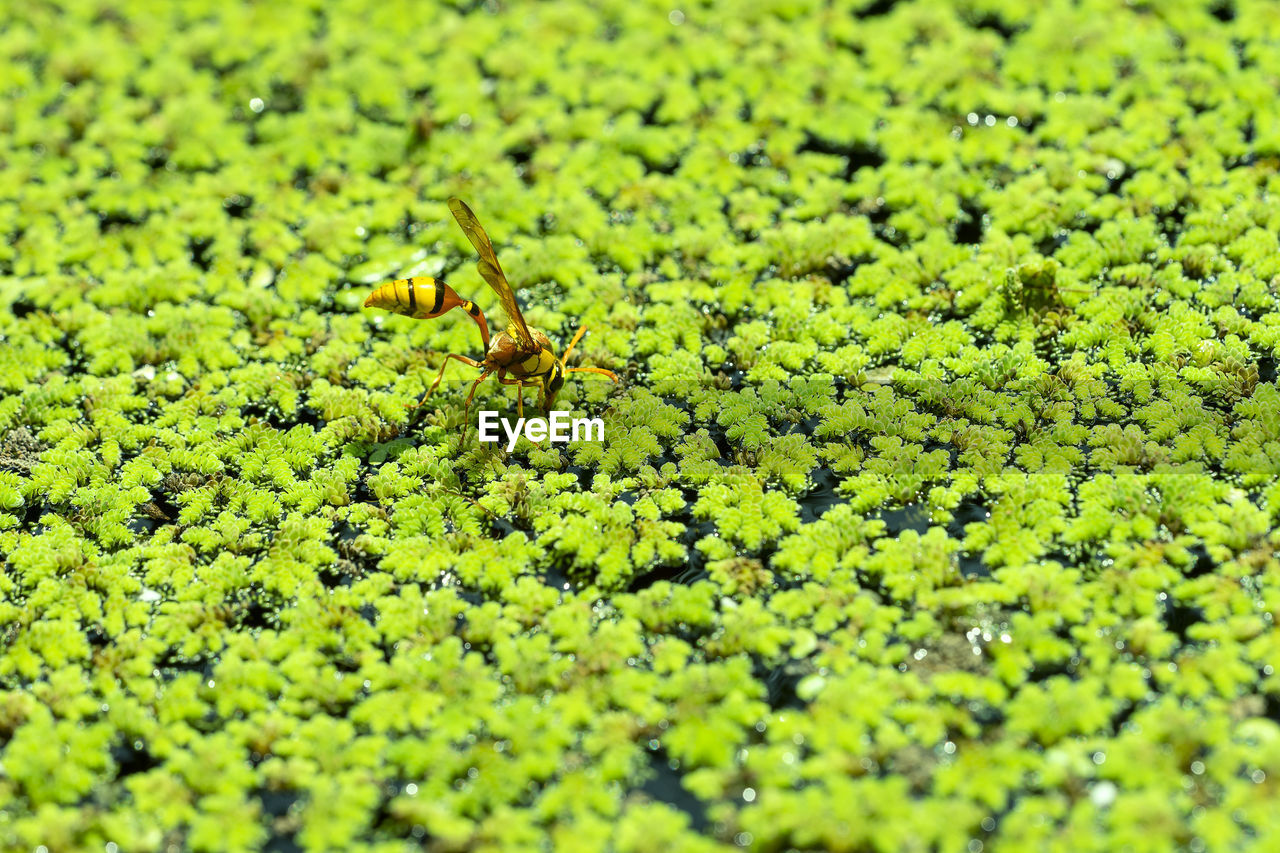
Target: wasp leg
(434,385)
(462,358)
(520,384)
(466,408)
(520,396)
(523,383)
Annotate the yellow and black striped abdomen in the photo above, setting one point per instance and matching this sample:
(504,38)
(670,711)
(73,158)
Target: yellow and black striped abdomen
(422,298)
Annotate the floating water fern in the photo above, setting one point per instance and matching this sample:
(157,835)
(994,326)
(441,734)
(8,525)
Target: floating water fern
(937,508)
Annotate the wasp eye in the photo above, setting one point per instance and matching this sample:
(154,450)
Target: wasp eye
(556,380)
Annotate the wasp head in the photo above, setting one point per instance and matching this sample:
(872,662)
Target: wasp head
(552,382)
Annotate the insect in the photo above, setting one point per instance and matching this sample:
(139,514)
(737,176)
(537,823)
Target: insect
(519,355)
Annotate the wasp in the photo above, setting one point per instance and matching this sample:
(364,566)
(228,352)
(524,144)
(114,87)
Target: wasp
(518,355)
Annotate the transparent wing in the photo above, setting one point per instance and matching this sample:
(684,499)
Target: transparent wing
(490,270)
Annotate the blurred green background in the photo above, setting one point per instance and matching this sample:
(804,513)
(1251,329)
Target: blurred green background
(938,502)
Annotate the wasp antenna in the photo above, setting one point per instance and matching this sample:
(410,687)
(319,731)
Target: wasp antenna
(582,330)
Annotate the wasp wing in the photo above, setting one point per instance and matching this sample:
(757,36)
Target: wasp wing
(491,272)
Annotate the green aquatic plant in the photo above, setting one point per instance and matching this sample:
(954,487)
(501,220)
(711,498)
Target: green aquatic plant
(941,479)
